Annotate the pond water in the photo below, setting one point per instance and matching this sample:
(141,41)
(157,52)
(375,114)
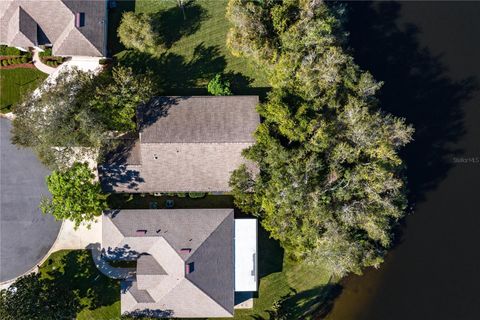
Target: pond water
(428,54)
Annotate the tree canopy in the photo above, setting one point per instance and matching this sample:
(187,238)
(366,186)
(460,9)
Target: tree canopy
(32,298)
(330,186)
(136,31)
(79,114)
(75,195)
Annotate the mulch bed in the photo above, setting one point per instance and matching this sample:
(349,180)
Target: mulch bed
(20,65)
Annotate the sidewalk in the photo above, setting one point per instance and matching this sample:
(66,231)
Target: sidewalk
(37,62)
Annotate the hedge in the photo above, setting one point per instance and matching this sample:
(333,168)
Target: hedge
(9,51)
(195,195)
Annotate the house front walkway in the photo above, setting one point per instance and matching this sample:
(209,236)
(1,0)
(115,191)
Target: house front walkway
(104,267)
(37,62)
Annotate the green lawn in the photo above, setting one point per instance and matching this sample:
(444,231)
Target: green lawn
(14,83)
(305,288)
(74,269)
(196,50)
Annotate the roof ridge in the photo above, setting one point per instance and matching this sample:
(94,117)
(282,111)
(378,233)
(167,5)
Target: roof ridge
(208,236)
(207,295)
(61,38)
(72,30)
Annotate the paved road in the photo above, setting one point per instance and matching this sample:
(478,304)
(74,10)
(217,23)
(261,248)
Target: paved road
(25,234)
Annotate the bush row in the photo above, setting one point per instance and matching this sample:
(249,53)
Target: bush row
(52,63)
(19,60)
(9,51)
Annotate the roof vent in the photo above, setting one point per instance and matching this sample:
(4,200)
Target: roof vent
(141,232)
(185,250)
(79,19)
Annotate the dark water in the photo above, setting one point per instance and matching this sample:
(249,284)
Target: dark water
(428,54)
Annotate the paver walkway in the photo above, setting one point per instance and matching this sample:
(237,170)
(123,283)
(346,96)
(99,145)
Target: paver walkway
(37,62)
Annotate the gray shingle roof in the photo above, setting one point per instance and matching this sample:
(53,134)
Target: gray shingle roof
(201,238)
(185,144)
(56,25)
(199,119)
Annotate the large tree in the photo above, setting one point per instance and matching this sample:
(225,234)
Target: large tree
(79,114)
(32,298)
(75,195)
(330,186)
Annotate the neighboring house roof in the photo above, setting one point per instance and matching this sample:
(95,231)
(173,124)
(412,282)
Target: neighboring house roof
(166,244)
(25,23)
(185,144)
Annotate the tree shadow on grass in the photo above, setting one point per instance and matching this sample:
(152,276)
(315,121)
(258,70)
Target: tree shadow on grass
(77,273)
(417,87)
(314,303)
(114,17)
(175,23)
(172,74)
(270,254)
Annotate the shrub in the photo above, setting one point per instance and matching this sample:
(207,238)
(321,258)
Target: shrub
(9,51)
(24,59)
(103,61)
(219,86)
(181,194)
(10,61)
(16,60)
(195,195)
(28,55)
(46,53)
(5,63)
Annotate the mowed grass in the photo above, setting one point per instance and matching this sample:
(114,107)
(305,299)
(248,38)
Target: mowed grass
(195,41)
(74,269)
(303,287)
(14,83)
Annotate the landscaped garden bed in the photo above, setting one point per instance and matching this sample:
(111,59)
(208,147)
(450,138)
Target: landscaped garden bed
(47,57)
(11,58)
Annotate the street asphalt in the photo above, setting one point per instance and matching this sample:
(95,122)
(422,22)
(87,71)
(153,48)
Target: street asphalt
(26,234)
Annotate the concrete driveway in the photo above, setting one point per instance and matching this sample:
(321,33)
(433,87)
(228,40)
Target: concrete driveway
(25,234)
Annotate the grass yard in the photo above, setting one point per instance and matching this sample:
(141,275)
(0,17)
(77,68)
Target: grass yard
(14,83)
(196,50)
(74,269)
(304,289)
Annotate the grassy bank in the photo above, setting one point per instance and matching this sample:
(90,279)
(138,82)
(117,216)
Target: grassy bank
(14,83)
